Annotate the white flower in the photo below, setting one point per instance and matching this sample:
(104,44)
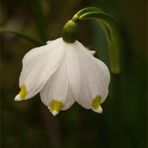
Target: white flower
(64,73)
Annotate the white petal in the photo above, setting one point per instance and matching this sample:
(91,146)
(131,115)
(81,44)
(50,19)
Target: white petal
(39,64)
(98,110)
(48,42)
(73,70)
(17,98)
(104,76)
(57,89)
(55,113)
(92,52)
(91,77)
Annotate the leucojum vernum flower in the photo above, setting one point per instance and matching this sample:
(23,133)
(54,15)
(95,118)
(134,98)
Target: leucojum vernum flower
(64,71)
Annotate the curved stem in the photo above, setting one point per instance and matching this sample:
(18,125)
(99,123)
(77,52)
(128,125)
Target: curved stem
(110,29)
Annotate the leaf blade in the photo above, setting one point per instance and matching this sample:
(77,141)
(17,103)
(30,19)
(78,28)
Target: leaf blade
(24,36)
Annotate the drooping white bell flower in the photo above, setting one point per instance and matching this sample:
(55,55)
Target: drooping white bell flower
(64,73)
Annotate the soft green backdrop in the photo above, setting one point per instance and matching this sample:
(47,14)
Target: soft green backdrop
(123,123)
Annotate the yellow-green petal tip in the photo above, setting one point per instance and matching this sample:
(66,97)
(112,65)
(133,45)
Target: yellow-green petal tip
(96,104)
(22,94)
(55,106)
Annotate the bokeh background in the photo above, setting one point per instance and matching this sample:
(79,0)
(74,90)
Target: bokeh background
(123,123)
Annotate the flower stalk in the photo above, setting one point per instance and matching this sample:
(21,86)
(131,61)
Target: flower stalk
(70,32)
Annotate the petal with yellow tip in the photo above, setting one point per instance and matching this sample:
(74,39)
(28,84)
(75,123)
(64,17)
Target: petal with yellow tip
(91,74)
(58,86)
(22,94)
(39,64)
(96,104)
(55,107)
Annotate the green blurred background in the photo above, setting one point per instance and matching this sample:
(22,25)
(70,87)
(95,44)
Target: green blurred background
(123,123)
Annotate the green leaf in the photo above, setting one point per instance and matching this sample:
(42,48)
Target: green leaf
(21,35)
(108,25)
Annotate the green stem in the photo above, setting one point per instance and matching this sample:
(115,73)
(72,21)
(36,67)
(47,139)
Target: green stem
(113,46)
(28,38)
(110,29)
(39,19)
(83,11)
